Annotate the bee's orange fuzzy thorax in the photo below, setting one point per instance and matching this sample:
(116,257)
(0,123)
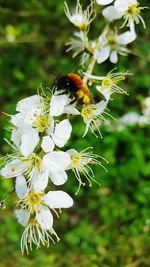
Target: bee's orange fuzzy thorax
(75,79)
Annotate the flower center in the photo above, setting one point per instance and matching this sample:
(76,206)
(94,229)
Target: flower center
(106,83)
(87,112)
(133,10)
(112,41)
(80,21)
(76,159)
(41,123)
(35,161)
(33,201)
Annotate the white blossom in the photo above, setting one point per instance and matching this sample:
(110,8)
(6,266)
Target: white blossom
(81,18)
(130,11)
(109,83)
(81,163)
(19,164)
(112,44)
(92,115)
(79,43)
(36,235)
(36,202)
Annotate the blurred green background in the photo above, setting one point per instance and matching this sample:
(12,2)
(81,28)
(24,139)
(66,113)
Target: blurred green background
(109,225)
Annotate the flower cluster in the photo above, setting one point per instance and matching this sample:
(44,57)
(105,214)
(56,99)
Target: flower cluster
(110,42)
(40,129)
(42,124)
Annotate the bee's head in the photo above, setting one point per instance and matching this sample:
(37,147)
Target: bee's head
(64,83)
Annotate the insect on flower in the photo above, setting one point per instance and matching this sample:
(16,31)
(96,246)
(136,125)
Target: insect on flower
(75,86)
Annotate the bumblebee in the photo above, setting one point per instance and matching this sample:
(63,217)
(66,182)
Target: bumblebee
(74,85)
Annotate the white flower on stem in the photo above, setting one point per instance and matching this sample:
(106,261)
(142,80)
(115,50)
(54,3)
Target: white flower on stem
(19,164)
(131,11)
(81,165)
(61,104)
(112,44)
(28,110)
(32,111)
(109,83)
(92,115)
(81,18)
(35,234)
(37,205)
(79,43)
(104,2)
(128,9)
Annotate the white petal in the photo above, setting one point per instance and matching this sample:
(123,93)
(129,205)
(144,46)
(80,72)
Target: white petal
(104,2)
(111,13)
(113,57)
(21,187)
(47,144)
(58,200)
(14,169)
(32,114)
(18,120)
(45,218)
(72,152)
(40,181)
(100,107)
(105,93)
(22,216)
(51,127)
(60,160)
(122,5)
(15,137)
(57,104)
(103,54)
(70,109)
(28,103)
(90,76)
(58,177)
(126,37)
(62,133)
(29,141)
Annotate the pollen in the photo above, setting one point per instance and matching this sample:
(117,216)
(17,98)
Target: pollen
(76,159)
(133,10)
(35,161)
(107,82)
(86,99)
(41,123)
(87,112)
(82,95)
(33,201)
(112,41)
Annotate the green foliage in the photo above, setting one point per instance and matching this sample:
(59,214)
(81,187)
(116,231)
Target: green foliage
(109,225)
